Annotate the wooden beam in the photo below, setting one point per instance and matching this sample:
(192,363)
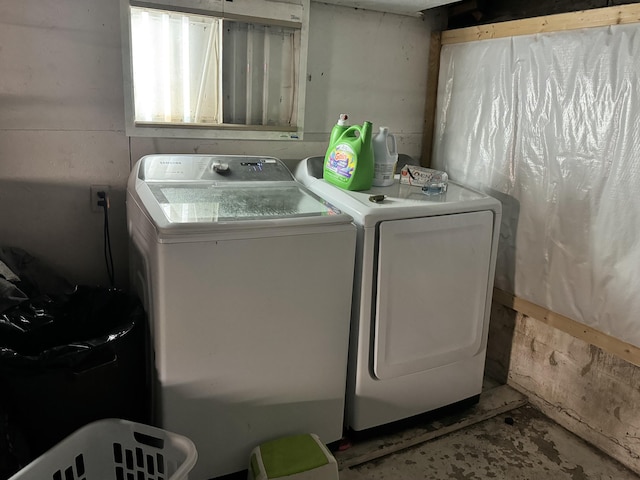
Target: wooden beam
(609,344)
(597,17)
(431,99)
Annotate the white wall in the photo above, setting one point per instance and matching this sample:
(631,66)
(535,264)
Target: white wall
(62,116)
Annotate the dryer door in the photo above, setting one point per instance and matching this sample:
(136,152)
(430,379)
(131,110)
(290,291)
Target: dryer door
(432,291)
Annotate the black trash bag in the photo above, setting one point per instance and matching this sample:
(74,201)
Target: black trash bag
(24,277)
(66,362)
(43,333)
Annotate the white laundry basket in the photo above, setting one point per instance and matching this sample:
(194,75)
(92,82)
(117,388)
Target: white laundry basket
(115,449)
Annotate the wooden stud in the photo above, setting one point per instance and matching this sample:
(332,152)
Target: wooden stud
(609,344)
(431,99)
(597,17)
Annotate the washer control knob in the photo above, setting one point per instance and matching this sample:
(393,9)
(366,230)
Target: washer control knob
(221,168)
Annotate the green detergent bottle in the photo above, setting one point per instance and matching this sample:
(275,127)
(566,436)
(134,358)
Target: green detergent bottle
(348,162)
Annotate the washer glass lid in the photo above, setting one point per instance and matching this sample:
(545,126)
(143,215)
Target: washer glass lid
(189,203)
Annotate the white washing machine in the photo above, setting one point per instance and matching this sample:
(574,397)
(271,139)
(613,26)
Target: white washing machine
(247,278)
(422,296)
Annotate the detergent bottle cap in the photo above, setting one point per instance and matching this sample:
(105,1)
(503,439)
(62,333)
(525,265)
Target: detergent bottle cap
(342,119)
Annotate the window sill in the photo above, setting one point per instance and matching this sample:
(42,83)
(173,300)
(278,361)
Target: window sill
(222,131)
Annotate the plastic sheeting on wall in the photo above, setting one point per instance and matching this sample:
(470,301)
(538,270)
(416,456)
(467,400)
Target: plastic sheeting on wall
(550,125)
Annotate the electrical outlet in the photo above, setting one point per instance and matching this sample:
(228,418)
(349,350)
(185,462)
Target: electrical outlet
(95,199)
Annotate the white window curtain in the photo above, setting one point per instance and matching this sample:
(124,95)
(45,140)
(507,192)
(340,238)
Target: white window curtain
(176,66)
(194,69)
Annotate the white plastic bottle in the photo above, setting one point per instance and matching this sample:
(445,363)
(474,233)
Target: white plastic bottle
(385,159)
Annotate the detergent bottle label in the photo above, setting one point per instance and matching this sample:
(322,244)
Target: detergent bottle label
(342,161)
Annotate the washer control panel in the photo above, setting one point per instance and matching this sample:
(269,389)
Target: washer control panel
(218,168)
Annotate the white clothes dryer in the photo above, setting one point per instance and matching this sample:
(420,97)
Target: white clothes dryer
(246,277)
(422,296)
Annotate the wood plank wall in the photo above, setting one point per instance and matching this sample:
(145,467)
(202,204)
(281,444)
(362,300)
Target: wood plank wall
(590,392)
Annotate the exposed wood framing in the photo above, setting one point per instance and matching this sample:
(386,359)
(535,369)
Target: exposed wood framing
(431,100)
(590,392)
(609,344)
(597,17)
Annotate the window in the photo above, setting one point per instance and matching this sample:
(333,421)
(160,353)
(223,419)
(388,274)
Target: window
(217,73)
(175,61)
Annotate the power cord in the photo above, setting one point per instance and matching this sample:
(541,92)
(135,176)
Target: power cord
(108,256)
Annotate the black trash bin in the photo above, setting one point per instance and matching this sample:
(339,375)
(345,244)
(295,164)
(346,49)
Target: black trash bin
(67,362)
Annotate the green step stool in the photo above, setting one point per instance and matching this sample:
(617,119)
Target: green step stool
(298,457)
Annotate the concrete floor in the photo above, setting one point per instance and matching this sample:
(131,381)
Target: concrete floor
(502,437)
(518,444)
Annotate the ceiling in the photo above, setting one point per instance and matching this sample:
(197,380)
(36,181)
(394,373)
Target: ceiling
(402,7)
